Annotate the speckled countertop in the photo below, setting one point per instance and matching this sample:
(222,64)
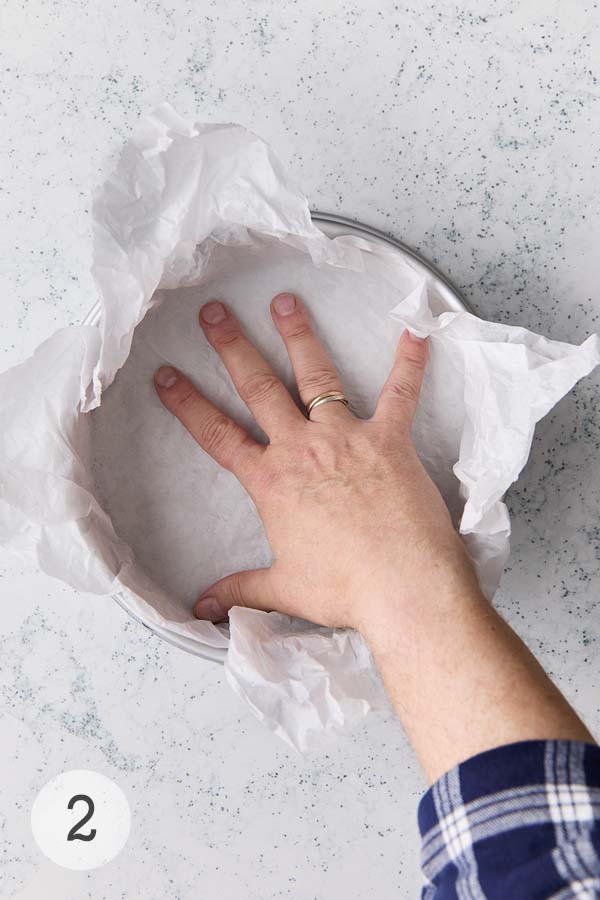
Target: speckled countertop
(470,130)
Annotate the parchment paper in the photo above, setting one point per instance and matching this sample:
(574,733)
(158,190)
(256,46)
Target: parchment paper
(121,499)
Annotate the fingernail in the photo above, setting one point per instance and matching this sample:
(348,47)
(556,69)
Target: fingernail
(284,304)
(165,377)
(210,608)
(413,337)
(213,313)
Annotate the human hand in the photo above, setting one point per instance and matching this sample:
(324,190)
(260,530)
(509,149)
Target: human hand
(362,538)
(357,528)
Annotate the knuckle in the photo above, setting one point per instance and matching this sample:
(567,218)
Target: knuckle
(326,455)
(317,380)
(403,390)
(236,591)
(258,387)
(415,355)
(227,337)
(185,399)
(417,358)
(315,462)
(216,432)
(299,331)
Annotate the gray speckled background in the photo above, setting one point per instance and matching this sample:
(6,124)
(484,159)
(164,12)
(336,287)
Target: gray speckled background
(473,133)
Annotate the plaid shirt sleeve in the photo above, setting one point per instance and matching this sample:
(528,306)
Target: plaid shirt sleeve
(520,822)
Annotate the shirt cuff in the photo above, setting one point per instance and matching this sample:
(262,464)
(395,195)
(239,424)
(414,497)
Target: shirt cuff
(510,809)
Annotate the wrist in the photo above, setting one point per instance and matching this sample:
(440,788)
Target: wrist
(398,619)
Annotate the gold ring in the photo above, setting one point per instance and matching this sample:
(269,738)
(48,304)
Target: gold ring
(327,397)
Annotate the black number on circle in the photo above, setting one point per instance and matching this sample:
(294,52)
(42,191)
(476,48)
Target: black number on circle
(74,835)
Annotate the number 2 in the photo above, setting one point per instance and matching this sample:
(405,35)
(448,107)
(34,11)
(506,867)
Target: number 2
(74,835)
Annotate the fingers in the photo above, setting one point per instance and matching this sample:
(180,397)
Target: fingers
(252,589)
(399,396)
(312,367)
(220,436)
(256,383)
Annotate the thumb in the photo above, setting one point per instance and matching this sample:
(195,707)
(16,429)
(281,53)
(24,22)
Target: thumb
(252,589)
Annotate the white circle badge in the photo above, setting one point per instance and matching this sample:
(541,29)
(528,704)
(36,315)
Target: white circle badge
(81,820)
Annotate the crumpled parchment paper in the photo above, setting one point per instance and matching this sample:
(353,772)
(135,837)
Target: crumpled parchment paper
(120,500)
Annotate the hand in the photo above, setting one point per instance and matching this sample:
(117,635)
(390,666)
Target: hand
(357,528)
(362,538)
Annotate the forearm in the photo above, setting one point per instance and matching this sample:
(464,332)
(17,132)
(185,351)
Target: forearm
(463,682)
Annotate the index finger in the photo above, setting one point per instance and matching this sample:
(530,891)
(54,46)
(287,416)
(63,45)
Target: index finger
(222,438)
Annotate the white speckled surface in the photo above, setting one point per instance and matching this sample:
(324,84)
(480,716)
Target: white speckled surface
(473,134)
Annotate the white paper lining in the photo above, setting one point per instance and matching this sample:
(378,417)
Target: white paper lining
(198,211)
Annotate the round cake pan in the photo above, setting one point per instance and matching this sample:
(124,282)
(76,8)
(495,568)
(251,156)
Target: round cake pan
(332,226)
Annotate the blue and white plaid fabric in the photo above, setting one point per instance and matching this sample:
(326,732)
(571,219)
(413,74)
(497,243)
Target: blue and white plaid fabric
(520,822)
